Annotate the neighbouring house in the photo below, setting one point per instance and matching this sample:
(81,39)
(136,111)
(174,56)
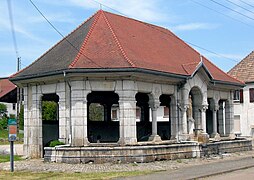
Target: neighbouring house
(122,82)
(8,95)
(244,97)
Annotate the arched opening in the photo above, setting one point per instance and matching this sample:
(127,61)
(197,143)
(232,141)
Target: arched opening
(193,111)
(143,123)
(103,117)
(50,118)
(209,117)
(164,117)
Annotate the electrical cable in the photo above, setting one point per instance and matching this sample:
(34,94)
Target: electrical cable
(62,34)
(232,10)
(246,3)
(240,6)
(221,13)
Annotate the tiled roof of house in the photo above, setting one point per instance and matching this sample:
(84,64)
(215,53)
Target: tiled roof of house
(244,70)
(109,41)
(6,87)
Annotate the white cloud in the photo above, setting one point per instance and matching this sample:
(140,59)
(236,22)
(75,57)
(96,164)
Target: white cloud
(235,57)
(193,26)
(148,10)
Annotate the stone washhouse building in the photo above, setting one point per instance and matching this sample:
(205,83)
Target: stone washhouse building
(135,72)
(244,98)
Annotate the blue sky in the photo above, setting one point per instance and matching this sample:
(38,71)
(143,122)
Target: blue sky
(232,39)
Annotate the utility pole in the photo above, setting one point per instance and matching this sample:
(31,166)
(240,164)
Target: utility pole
(19,98)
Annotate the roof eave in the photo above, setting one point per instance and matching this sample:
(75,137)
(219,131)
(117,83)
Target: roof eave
(227,83)
(99,70)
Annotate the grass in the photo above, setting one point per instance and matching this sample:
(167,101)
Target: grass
(6,158)
(60,175)
(4,137)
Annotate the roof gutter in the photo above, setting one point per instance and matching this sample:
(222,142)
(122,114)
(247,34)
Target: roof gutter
(106,70)
(227,83)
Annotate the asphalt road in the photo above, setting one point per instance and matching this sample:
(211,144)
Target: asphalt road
(203,171)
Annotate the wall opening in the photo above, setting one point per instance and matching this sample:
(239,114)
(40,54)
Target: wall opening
(50,118)
(103,117)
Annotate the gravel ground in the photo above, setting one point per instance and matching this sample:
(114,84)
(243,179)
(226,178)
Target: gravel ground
(37,165)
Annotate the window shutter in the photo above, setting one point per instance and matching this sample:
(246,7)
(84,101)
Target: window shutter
(251,90)
(241,95)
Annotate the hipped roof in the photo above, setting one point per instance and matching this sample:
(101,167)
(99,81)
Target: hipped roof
(110,41)
(244,70)
(6,87)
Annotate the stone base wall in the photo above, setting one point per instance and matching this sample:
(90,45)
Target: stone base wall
(125,154)
(222,147)
(144,153)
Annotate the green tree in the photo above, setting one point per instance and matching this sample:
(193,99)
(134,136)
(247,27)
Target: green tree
(49,110)
(96,112)
(3,109)
(21,117)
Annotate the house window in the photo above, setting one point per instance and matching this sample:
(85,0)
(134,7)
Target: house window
(166,111)
(13,106)
(238,96)
(138,113)
(114,114)
(251,90)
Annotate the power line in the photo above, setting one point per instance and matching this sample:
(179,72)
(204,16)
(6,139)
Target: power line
(221,13)
(101,4)
(240,6)
(232,9)
(61,33)
(246,3)
(13,34)
(127,16)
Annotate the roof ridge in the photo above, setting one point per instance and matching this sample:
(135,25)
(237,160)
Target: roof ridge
(117,41)
(98,13)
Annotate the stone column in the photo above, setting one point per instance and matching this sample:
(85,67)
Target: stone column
(79,114)
(63,127)
(229,113)
(33,123)
(221,119)
(203,116)
(215,133)
(154,105)
(173,118)
(183,129)
(127,119)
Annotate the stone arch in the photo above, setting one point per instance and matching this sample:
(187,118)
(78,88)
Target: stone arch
(164,119)
(143,123)
(49,112)
(195,102)
(103,116)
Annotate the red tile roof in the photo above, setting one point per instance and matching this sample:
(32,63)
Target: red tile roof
(108,40)
(244,70)
(6,86)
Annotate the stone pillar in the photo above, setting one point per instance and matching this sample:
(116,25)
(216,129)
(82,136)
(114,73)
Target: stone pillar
(215,133)
(33,144)
(221,119)
(183,124)
(63,127)
(154,105)
(203,117)
(127,119)
(78,114)
(229,119)
(173,117)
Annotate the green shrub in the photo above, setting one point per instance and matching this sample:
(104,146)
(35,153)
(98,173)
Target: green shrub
(3,123)
(55,143)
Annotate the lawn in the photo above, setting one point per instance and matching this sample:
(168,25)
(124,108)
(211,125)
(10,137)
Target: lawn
(4,137)
(59,175)
(6,158)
